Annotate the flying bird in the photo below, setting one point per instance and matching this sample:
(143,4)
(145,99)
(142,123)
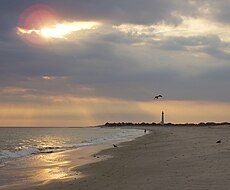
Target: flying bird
(158,96)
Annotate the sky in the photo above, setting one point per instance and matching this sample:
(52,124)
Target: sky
(87,62)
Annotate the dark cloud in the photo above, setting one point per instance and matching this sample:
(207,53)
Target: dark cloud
(117,70)
(219,10)
(218,53)
(193,41)
(134,11)
(211,44)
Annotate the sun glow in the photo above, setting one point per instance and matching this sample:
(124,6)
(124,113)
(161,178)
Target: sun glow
(39,24)
(60,30)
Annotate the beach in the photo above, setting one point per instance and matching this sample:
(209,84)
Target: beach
(169,158)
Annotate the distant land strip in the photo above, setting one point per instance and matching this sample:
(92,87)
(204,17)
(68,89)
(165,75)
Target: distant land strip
(123,124)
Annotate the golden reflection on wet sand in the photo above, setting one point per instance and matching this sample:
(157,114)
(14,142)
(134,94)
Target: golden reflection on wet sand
(53,166)
(63,165)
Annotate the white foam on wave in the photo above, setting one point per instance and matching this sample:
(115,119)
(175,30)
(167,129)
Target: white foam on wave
(25,152)
(6,154)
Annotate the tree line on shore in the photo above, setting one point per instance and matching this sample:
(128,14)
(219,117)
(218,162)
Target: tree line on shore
(124,124)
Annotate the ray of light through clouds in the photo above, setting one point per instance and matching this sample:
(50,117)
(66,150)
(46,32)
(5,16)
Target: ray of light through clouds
(81,63)
(187,28)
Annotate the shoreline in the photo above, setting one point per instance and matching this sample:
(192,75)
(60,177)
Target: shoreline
(166,158)
(39,169)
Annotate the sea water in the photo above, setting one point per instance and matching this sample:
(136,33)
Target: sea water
(20,142)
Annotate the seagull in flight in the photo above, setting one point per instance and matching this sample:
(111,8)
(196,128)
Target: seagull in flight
(158,96)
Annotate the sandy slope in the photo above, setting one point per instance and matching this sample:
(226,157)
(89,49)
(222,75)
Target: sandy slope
(168,158)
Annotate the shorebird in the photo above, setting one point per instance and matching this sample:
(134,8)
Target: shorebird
(158,96)
(115,146)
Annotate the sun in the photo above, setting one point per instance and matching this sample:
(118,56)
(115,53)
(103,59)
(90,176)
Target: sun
(63,30)
(39,23)
(59,30)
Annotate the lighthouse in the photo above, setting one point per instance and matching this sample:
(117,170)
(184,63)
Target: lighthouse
(162,118)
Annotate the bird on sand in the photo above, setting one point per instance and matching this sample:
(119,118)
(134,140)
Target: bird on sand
(115,146)
(158,96)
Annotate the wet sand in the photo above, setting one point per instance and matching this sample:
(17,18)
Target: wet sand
(40,169)
(171,158)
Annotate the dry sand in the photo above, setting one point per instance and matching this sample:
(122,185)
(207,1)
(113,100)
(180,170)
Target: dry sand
(169,158)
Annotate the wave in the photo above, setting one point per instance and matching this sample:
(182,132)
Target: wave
(6,155)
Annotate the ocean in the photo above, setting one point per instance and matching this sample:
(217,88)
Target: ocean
(18,145)
(20,142)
